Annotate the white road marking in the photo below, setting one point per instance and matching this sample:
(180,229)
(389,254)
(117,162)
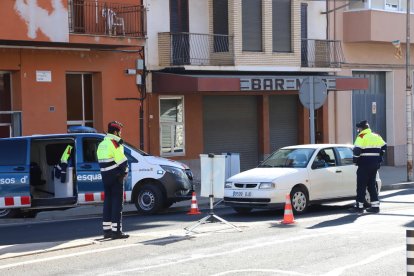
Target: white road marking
(259,270)
(340,270)
(236,250)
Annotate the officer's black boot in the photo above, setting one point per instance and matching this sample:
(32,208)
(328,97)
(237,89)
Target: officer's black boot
(108,234)
(357,208)
(119,235)
(374,210)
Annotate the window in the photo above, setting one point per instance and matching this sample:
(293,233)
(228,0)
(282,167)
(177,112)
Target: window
(14,152)
(346,156)
(221,25)
(252,25)
(90,146)
(281,25)
(79,101)
(172,126)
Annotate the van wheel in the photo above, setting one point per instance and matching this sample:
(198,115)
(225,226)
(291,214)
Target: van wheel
(300,200)
(242,210)
(9,213)
(149,199)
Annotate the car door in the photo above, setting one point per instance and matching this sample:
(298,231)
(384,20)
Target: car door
(348,170)
(324,175)
(14,173)
(88,174)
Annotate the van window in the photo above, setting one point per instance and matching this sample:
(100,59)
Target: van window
(14,152)
(90,145)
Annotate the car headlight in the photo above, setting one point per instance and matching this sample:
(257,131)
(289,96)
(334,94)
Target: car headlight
(266,185)
(173,170)
(228,185)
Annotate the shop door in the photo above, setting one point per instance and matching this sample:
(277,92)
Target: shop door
(283,121)
(5,105)
(370,104)
(230,125)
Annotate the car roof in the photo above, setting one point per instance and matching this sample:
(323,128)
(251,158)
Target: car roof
(318,146)
(40,136)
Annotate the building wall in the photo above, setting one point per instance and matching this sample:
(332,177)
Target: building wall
(378,57)
(35,98)
(316,20)
(267,57)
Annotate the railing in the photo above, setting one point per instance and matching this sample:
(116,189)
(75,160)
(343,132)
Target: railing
(10,123)
(104,18)
(321,53)
(195,49)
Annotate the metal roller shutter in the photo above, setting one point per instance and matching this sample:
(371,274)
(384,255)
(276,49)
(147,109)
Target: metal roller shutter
(283,121)
(230,125)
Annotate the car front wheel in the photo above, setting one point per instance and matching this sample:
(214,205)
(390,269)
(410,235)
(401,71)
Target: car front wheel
(149,199)
(299,199)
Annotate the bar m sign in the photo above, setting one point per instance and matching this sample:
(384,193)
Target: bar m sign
(279,83)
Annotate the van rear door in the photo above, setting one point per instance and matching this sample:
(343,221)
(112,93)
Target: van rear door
(14,173)
(88,173)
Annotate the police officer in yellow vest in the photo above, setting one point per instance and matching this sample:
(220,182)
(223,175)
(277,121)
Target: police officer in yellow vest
(114,169)
(369,149)
(61,168)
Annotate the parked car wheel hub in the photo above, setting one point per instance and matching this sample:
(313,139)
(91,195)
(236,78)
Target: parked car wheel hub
(299,201)
(146,200)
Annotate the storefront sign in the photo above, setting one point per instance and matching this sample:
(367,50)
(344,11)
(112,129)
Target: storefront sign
(279,83)
(43,76)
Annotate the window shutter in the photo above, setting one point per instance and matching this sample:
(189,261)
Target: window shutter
(252,25)
(281,11)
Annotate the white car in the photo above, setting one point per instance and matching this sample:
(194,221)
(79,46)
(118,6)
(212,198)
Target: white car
(309,173)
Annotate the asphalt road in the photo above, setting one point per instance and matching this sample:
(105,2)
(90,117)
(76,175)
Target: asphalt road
(326,241)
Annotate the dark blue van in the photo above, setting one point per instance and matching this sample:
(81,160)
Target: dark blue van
(28,185)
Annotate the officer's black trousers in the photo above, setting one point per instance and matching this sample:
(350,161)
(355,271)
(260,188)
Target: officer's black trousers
(114,199)
(366,176)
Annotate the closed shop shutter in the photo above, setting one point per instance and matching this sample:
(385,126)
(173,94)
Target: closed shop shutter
(230,125)
(283,121)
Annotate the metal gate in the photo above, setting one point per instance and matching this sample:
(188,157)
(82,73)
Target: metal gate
(283,120)
(230,125)
(370,104)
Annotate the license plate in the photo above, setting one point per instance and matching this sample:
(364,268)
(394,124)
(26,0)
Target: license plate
(242,194)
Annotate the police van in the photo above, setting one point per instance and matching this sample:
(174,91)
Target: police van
(28,183)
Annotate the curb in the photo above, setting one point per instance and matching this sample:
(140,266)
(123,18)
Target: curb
(397,186)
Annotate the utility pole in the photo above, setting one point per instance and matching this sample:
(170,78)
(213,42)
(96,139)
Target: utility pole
(408,96)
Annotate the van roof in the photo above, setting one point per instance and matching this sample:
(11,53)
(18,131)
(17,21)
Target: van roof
(54,135)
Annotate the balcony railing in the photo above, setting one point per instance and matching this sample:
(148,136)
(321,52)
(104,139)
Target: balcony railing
(195,49)
(321,53)
(104,18)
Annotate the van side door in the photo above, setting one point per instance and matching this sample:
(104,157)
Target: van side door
(14,173)
(88,176)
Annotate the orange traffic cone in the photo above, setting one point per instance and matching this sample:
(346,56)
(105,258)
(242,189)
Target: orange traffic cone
(194,207)
(288,216)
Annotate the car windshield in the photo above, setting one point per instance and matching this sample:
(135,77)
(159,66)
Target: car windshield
(143,153)
(288,158)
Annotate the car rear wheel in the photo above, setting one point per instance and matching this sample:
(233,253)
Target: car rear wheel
(9,213)
(299,199)
(242,210)
(149,199)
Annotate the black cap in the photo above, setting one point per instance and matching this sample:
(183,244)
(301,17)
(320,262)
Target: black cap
(363,124)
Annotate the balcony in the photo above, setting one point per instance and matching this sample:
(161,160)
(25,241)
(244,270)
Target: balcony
(107,19)
(318,53)
(178,49)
